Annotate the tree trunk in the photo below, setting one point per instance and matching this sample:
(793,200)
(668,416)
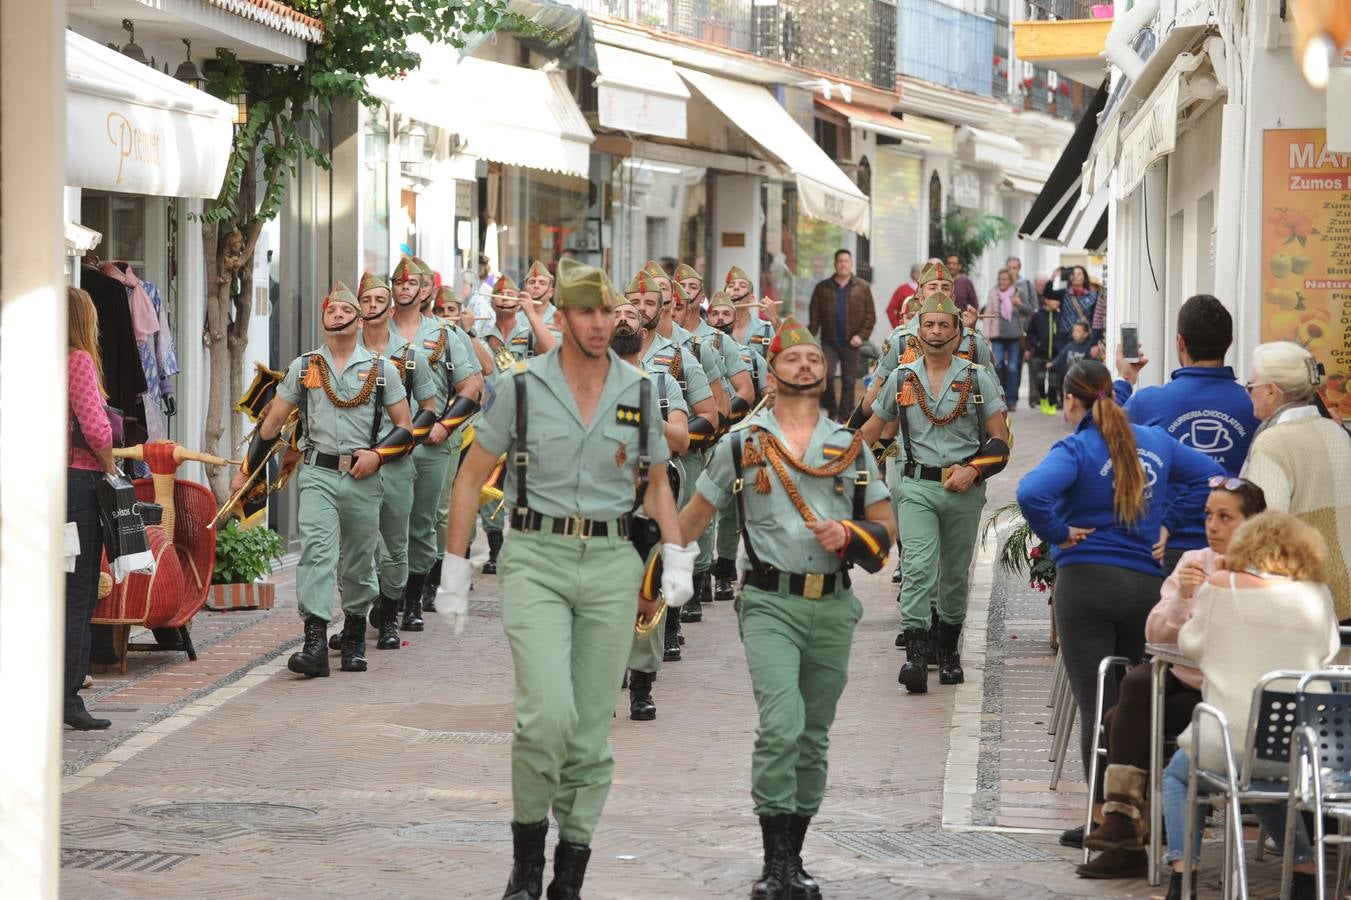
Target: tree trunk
(218,380)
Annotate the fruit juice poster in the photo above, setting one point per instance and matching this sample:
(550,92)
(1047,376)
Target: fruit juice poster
(1306,253)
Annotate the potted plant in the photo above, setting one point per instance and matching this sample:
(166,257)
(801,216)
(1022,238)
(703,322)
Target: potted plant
(1023,552)
(244,559)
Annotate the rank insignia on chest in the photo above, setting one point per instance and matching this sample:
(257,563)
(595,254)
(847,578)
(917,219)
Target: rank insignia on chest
(429,345)
(628,415)
(520,339)
(363,374)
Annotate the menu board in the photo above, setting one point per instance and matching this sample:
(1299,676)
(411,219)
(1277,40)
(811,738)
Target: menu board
(1306,253)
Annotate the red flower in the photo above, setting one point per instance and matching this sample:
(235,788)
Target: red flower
(1036,552)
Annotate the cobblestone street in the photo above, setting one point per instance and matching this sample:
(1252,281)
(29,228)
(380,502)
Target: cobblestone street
(231,777)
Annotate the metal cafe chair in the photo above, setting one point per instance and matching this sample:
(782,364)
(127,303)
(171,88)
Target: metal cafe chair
(1098,752)
(1320,774)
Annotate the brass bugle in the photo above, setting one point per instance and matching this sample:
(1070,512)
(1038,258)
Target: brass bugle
(261,472)
(644,627)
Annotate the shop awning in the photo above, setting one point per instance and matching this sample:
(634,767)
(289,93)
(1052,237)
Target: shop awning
(824,192)
(989,148)
(508,114)
(640,94)
(134,130)
(1057,215)
(874,120)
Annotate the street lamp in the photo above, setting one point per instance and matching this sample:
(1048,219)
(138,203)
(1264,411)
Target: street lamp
(187,71)
(132,50)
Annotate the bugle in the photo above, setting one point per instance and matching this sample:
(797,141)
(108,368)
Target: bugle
(253,492)
(650,589)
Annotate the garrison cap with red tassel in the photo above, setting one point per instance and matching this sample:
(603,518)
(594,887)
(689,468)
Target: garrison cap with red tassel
(733,274)
(792,333)
(687,273)
(371,282)
(406,270)
(720,298)
(505,283)
(341,293)
(642,283)
(654,269)
(538,270)
(934,271)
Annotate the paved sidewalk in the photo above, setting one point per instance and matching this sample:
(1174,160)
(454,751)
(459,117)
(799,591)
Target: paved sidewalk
(396,781)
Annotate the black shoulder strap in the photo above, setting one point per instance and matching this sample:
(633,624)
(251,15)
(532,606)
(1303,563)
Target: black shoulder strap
(376,419)
(303,424)
(738,485)
(521,458)
(644,460)
(448,359)
(905,429)
(861,480)
(663,404)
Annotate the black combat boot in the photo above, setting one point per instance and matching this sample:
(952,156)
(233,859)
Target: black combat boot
(933,637)
(429,589)
(389,624)
(671,644)
(949,661)
(915,673)
(693,610)
(412,602)
(778,871)
(494,547)
(641,707)
(801,886)
(311,660)
(724,580)
(527,861)
(569,869)
(353,643)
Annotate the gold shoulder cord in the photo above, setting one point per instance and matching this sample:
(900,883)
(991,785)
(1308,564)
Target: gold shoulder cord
(779,457)
(439,349)
(917,391)
(677,364)
(318,369)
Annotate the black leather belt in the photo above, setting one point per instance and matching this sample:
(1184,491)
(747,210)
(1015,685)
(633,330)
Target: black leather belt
(332,461)
(811,585)
(929,473)
(572,526)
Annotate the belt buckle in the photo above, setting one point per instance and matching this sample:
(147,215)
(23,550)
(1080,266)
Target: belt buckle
(944,473)
(813,585)
(344,462)
(578,527)
(504,359)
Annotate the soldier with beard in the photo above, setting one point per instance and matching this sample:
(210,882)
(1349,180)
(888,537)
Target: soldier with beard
(647,655)
(782,468)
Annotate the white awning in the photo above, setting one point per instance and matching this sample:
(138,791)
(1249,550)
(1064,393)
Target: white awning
(824,192)
(989,148)
(1023,185)
(874,120)
(132,129)
(508,114)
(640,94)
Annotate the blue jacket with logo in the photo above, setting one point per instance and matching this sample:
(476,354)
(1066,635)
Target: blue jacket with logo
(1204,408)
(1073,485)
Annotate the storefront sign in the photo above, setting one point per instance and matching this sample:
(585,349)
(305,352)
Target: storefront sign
(640,112)
(966,189)
(1152,136)
(1306,252)
(464,199)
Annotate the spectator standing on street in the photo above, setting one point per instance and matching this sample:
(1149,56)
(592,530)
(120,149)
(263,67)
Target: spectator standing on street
(963,288)
(1027,291)
(896,307)
(1080,346)
(1041,344)
(842,318)
(1076,295)
(1004,330)
(1202,405)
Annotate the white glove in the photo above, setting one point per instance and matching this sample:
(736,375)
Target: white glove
(677,572)
(454,590)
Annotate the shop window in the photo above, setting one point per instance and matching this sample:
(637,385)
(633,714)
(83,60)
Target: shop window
(660,211)
(935,215)
(120,218)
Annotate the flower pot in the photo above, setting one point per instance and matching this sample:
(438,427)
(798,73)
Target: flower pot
(257,595)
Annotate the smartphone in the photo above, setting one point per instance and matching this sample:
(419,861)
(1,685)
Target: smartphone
(1130,342)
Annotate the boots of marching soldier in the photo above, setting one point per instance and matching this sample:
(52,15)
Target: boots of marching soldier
(897,575)
(494,547)
(527,861)
(353,643)
(387,623)
(429,589)
(949,660)
(933,637)
(569,869)
(777,874)
(671,639)
(641,706)
(801,886)
(412,603)
(915,673)
(724,574)
(693,610)
(311,660)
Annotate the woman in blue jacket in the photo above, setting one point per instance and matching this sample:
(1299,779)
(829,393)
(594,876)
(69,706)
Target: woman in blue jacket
(1099,498)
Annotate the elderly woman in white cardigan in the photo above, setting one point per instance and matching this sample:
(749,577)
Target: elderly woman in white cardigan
(1299,458)
(1269,609)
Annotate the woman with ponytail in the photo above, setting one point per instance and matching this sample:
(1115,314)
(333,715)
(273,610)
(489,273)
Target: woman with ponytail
(1099,497)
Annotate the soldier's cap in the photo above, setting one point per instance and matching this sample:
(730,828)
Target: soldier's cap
(792,333)
(687,273)
(505,284)
(678,292)
(642,283)
(406,270)
(940,302)
(934,271)
(581,286)
(721,298)
(341,293)
(421,266)
(654,269)
(538,270)
(734,273)
(444,295)
(913,303)
(371,282)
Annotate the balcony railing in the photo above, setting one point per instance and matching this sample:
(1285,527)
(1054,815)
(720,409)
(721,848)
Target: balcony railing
(947,46)
(1042,10)
(728,23)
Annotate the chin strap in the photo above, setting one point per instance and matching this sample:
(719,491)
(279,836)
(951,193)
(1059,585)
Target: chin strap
(865,545)
(396,444)
(990,459)
(259,450)
(457,410)
(702,432)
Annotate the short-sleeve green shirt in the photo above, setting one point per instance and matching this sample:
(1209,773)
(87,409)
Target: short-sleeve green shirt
(417,378)
(329,428)
(709,358)
(777,531)
(728,349)
(575,469)
(942,445)
(758,335)
(693,381)
(453,360)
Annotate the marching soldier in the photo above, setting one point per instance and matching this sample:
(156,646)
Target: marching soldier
(539,287)
(811,505)
(585,447)
(457,382)
(426,285)
(954,437)
(749,328)
(343,394)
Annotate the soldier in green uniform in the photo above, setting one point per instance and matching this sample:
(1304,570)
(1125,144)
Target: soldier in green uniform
(585,447)
(539,287)
(352,417)
(458,384)
(954,436)
(426,285)
(755,320)
(812,505)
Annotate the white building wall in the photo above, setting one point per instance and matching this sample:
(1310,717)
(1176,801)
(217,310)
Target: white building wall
(736,211)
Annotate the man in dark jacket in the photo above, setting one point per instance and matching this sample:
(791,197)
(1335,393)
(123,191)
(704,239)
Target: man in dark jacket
(842,316)
(963,288)
(1041,343)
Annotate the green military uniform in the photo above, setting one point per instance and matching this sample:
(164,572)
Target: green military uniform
(564,592)
(517,346)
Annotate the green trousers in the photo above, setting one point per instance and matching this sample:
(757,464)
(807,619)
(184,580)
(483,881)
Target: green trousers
(568,608)
(396,484)
(798,654)
(336,539)
(691,466)
(648,653)
(729,531)
(940,529)
(429,477)
(443,507)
